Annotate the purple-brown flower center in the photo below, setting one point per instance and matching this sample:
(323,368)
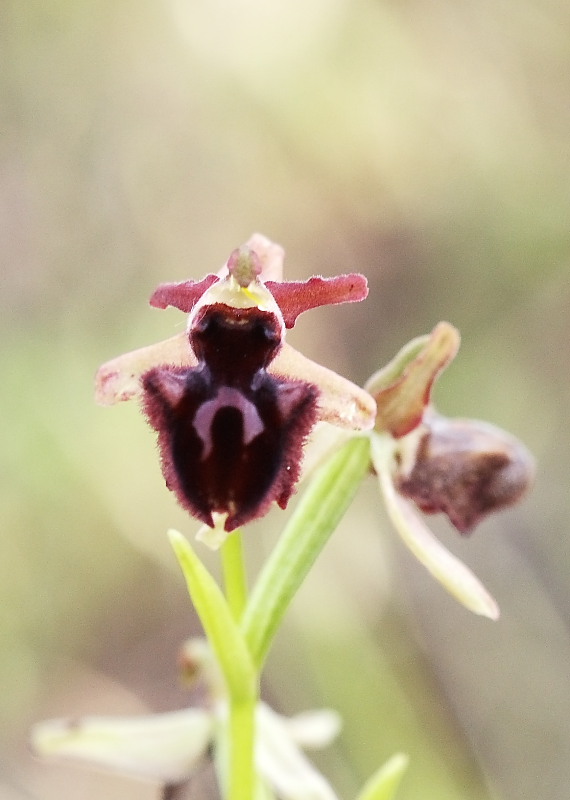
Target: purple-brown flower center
(230,434)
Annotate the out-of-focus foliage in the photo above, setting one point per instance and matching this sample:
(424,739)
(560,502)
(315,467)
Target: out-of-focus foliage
(423,143)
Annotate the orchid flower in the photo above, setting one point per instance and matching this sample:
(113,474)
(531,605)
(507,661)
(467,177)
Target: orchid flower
(231,402)
(169,749)
(464,468)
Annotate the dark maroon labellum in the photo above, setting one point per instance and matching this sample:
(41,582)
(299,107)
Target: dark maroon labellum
(230,434)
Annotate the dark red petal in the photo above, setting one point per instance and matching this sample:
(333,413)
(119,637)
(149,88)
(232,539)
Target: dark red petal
(183,296)
(294,297)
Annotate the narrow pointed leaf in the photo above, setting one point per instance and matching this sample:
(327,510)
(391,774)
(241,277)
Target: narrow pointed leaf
(318,513)
(224,635)
(445,567)
(384,784)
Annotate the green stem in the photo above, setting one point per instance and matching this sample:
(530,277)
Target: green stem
(238,778)
(241,728)
(242,774)
(235,579)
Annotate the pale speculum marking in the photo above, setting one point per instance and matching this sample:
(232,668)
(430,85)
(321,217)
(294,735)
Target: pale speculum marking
(226,397)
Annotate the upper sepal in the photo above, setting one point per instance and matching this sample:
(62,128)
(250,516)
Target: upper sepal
(402,389)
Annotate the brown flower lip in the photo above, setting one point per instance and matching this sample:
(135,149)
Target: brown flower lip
(466,469)
(230,434)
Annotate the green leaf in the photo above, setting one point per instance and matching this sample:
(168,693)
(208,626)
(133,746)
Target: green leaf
(384,784)
(318,513)
(224,635)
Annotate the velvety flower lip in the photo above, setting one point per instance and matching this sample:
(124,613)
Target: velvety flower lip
(231,402)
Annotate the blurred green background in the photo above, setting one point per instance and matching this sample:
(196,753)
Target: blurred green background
(425,143)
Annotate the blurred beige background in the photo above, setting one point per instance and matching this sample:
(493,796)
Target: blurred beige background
(426,144)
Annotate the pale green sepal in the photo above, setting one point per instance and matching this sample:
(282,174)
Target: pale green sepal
(282,764)
(402,389)
(263,791)
(314,729)
(160,747)
(384,784)
(445,567)
(120,378)
(316,516)
(395,368)
(224,635)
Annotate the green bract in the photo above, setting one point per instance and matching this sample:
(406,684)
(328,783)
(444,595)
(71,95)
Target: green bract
(319,511)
